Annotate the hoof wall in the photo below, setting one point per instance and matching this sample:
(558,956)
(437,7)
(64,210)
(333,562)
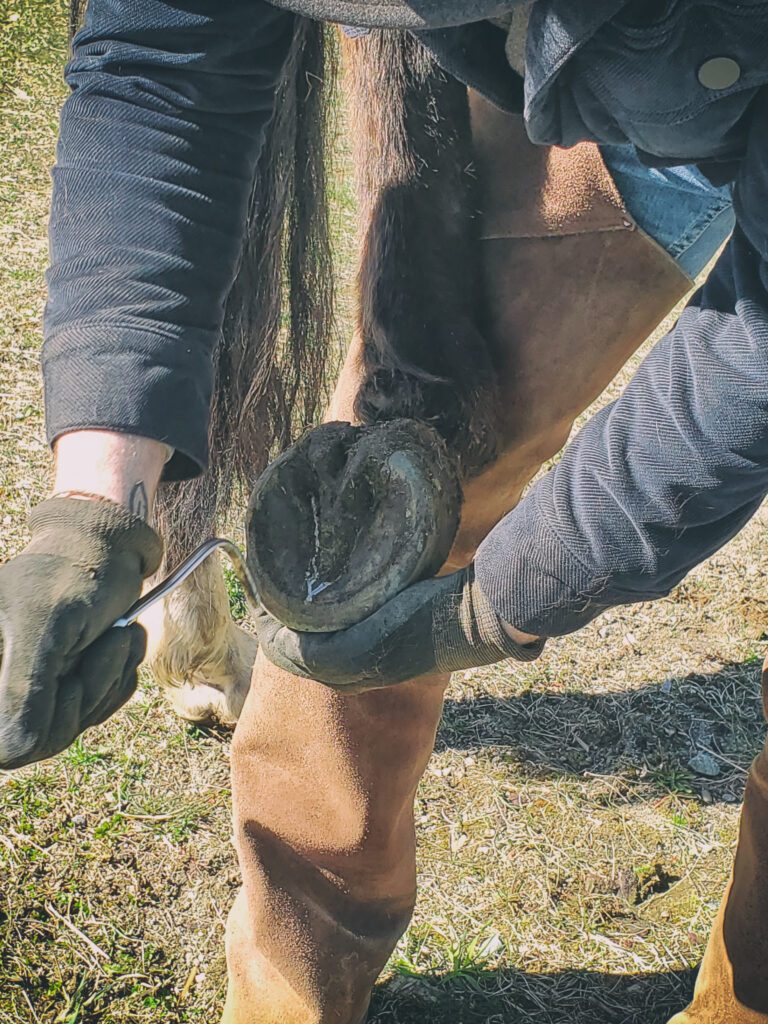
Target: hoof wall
(347,518)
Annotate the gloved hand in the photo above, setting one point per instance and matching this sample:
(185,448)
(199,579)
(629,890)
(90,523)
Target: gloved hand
(63,668)
(439,625)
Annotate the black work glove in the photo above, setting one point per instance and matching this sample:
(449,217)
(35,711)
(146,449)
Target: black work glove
(63,668)
(440,625)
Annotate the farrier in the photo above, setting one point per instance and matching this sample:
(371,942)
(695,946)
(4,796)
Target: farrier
(158,148)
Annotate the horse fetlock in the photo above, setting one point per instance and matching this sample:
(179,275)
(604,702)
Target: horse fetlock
(213,689)
(197,654)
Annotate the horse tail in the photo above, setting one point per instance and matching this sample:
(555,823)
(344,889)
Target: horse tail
(276,353)
(76,11)
(419,288)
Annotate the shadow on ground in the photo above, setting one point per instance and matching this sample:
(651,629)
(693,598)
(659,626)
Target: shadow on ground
(514,997)
(650,734)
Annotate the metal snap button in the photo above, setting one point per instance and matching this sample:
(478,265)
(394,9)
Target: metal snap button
(719,73)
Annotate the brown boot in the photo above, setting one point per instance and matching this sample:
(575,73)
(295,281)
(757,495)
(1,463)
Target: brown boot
(732,986)
(324,784)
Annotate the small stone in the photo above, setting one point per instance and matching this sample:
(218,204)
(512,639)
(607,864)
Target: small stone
(704,764)
(627,884)
(458,842)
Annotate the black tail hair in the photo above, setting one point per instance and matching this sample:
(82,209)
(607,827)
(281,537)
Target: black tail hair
(275,354)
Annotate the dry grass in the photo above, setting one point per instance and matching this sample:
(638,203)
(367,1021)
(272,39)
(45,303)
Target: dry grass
(570,858)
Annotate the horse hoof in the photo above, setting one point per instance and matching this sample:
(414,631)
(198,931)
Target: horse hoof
(347,518)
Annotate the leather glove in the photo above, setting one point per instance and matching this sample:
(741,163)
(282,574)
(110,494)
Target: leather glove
(63,668)
(440,625)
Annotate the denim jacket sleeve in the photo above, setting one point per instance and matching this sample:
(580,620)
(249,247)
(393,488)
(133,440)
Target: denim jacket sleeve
(155,163)
(659,480)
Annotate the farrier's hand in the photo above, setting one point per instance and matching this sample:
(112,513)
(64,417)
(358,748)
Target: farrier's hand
(63,667)
(440,625)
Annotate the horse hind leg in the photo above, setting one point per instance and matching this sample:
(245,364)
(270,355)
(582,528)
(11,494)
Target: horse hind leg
(198,655)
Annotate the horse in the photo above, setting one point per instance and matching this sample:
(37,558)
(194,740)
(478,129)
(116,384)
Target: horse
(466,234)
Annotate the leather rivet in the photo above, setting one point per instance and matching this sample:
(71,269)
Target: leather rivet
(719,73)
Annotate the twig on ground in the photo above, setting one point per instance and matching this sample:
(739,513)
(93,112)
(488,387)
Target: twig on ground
(96,950)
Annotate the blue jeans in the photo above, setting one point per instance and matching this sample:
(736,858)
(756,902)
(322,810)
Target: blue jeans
(676,206)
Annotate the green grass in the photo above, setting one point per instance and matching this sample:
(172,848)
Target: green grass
(570,861)
(238,603)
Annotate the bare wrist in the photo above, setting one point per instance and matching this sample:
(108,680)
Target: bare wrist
(101,463)
(518,636)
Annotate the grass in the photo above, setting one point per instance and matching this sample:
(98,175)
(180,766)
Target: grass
(570,858)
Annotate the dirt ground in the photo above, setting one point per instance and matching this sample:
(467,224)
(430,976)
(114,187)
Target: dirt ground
(571,857)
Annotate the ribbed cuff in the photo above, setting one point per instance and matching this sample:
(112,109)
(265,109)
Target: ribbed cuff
(467,631)
(123,386)
(533,582)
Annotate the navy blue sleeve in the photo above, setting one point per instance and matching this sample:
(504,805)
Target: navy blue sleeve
(156,158)
(659,480)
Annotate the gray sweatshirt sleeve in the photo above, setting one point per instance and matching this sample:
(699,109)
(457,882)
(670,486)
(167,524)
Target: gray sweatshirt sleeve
(662,478)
